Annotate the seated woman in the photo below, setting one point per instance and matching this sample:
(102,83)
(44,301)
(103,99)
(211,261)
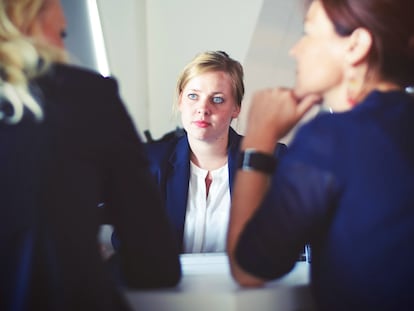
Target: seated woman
(66,141)
(195,171)
(346,184)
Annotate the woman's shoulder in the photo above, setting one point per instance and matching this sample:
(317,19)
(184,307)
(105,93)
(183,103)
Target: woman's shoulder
(72,76)
(74,70)
(163,149)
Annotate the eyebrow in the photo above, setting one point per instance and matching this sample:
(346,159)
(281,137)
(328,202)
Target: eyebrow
(213,93)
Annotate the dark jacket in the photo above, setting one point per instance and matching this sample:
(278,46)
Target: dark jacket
(346,185)
(54,175)
(170,166)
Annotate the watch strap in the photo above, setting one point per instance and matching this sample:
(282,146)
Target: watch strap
(253,160)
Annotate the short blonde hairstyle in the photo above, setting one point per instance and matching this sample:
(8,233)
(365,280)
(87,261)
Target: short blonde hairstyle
(213,61)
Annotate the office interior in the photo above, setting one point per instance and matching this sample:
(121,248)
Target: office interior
(145,45)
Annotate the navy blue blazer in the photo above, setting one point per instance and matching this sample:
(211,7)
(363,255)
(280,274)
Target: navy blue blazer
(170,166)
(346,185)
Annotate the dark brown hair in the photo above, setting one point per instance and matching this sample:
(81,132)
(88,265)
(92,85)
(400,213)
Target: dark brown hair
(391,23)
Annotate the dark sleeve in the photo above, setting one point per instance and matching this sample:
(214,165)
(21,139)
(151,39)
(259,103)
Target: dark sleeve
(154,163)
(148,252)
(296,209)
(281,149)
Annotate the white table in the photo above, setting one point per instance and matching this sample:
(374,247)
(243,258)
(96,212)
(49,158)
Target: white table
(208,286)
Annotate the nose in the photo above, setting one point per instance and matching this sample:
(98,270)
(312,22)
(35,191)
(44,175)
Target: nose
(203,107)
(294,49)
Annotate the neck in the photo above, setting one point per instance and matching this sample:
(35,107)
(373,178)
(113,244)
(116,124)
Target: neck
(336,99)
(207,155)
(388,87)
(382,86)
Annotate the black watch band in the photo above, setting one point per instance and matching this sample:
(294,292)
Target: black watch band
(252,160)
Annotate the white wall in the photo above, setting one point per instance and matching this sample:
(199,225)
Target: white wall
(125,35)
(180,29)
(268,64)
(149,42)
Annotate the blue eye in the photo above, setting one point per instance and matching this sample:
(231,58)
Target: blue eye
(218,100)
(192,96)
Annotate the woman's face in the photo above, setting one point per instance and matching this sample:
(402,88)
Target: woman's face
(320,58)
(207,106)
(51,24)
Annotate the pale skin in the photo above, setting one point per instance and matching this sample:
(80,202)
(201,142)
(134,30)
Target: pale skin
(207,107)
(330,59)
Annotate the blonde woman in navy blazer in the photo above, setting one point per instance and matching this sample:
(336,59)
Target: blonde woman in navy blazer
(170,165)
(209,95)
(67,143)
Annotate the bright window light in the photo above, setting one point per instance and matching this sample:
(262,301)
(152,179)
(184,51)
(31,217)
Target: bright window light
(97,38)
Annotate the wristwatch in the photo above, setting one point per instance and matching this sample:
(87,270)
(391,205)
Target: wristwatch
(253,160)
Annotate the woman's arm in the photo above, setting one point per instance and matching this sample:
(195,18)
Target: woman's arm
(273,113)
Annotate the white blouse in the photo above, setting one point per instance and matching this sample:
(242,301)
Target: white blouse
(207,217)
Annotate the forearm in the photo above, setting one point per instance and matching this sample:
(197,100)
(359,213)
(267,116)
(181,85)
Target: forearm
(249,189)
(273,113)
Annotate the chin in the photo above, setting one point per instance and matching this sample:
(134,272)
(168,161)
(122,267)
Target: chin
(300,92)
(199,135)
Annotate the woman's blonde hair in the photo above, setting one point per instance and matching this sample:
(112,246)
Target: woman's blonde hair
(22,57)
(212,61)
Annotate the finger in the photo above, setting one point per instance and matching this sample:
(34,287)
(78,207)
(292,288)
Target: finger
(307,103)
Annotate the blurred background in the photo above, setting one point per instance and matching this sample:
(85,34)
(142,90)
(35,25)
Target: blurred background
(146,43)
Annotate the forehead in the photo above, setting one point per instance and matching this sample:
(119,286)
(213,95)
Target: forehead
(316,17)
(211,80)
(53,10)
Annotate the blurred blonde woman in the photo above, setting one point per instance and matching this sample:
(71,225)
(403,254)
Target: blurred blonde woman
(67,144)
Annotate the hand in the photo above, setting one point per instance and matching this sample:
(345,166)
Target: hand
(273,113)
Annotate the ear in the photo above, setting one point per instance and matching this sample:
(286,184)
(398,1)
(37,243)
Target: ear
(180,97)
(236,112)
(360,44)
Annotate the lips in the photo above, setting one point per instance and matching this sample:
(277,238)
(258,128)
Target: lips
(201,124)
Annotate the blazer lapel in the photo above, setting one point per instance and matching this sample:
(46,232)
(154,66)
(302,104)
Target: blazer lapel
(177,185)
(233,153)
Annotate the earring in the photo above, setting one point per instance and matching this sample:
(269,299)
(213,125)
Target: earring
(354,83)
(354,87)
(351,93)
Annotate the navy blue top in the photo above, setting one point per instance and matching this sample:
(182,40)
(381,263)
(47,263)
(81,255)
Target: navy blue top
(170,166)
(346,184)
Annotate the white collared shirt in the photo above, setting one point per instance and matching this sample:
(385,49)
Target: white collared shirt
(207,218)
